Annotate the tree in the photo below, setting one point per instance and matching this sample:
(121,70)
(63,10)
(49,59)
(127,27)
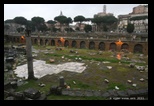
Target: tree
(39,23)
(9,21)
(52,23)
(31,25)
(20,20)
(88,19)
(68,21)
(42,27)
(37,20)
(61,20)
(106,21)
(130,28)
(88,28)
(79,19)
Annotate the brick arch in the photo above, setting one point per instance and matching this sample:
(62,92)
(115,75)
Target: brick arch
(125,46)
(46,42)
(138,48)
(82,45)
(41,41)
(113,46)
(14,39)
(91,45)
(35,41)
(66,43)
(101,46)
(18,40)
(74,44)
(59,43)
(52,42)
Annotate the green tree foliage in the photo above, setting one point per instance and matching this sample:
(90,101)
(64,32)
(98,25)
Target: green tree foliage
(61,19)
(39,23)
(79,19)
(130,28)
(88,28)
(68,21)
(38,20)
(51,22)
(20,20)
(42,27)
(31,25)
(9,21)
(69,30)
(105,20)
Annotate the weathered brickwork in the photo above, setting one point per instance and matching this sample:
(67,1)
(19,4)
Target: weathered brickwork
(97,44)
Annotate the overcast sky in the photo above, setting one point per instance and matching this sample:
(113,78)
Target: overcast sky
(49,11)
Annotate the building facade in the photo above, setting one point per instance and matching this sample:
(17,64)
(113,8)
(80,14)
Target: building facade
(138,17)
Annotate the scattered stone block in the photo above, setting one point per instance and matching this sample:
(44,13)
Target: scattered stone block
(141,79)
(32,93)
(134,85)
(129,81)
(122,93)
(53,89)
(10,98)
(131,93)
(52,60)
(42,97)
(112,93)
(88,93)
(106,80)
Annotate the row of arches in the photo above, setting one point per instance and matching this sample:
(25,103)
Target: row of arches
(138,48)
(92,45)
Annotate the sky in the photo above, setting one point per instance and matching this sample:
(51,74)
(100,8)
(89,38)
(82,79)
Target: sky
(49,11)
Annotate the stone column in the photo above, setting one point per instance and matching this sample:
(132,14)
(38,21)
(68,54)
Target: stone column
(29,55)
(61,81)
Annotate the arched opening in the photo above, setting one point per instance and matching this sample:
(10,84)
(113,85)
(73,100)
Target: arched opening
(138,48)
(92,45)
(41,42)
(125,46)
(101,46)
(82,45)
(14,39)
(35,41)
(113,46)
(52,42)
(66,43)
(18,40)
(74,44)
(59,43)
(46,42)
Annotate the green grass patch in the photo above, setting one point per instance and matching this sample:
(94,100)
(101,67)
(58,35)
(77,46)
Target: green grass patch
(85,58)
(34,84)
(119,85)
(78,84)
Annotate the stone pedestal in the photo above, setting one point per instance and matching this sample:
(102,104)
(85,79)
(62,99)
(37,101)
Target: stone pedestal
(61,81)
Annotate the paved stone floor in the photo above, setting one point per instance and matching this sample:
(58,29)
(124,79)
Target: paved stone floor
(41,68)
